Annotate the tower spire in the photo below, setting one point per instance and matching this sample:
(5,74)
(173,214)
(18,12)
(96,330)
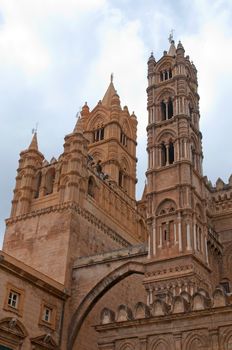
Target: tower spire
(34,142)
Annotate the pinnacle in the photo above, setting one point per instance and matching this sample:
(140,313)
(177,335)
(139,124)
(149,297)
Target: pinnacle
(34,143)
(78,126)
(172,49)
(110,92)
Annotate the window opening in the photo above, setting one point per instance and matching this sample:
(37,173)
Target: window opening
(163,110)
(47,312)
(163,155)
(226,286)
(120,178)
(50,178)
(91,187)
(13,299)
(38,179)
(171,153)
(170,109)
(98,135)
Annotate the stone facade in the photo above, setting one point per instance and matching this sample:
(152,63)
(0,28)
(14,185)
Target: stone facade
(80,251)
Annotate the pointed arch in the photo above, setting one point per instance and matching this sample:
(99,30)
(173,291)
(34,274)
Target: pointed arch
(49,180)
(196,341)
(96,293)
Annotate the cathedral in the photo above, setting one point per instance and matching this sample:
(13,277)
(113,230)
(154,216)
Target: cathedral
(86,266)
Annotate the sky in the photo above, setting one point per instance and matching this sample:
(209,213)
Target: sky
(57,54)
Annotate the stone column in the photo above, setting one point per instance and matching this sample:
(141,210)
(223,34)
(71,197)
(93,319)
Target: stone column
(154,236)
(177,341)
(194,235)
(167,154)
(166,110)
(189,246)
(143,344)
(179,233)
(160,237)
(214,336)
(206,252)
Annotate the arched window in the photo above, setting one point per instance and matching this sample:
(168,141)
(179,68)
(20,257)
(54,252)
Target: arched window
(166,75)
(91,187)
(37,184)
(161,76)
(170,73)
(163,110)
(123,139)
(170,108)
(171,153)
(49,181)
(98,135)
(120,178)
(163,155)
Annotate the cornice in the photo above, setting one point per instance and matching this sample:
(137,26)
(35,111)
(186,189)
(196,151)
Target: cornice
(81,211)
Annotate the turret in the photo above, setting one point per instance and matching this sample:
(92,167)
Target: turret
(73,165)
(30,161)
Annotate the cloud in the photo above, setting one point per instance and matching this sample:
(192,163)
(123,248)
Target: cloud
(57,54)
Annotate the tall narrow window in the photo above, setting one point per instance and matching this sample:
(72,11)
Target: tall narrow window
(120,178)
(163,155)
(163,110)
(166,75)
(50,178)
(170,109)
(37,184)
(98,135)
(171,153)
(91,187)
(170,73)
(161,76)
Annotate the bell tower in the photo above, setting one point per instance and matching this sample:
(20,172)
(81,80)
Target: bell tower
(176,213)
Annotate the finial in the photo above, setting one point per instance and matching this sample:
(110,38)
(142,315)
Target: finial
(34,130)
(170,38)
(111,77)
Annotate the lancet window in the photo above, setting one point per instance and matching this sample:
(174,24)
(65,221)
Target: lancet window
(98,134)
(38,179)
(165,74)
(49,181)
(123,139)
(166,109)
(167,153)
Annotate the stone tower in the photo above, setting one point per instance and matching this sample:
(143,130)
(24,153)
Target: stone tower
(176,211)
(111,131)
(82,203)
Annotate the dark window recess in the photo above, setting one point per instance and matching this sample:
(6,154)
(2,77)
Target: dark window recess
(123,139)
(170,109)
(163,111)
(171,153)
(98,135)
(120,178)
(163,155)
(226,286)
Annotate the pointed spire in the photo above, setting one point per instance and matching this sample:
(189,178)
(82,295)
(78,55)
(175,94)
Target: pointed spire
(85,110)
(110,92)
(172,49)
(180,49)
(78,127)
(151,58)
(34,143)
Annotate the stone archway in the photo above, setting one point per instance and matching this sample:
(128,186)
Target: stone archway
(96,293)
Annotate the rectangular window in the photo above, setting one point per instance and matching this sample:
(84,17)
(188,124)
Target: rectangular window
(13,299)
(47,313)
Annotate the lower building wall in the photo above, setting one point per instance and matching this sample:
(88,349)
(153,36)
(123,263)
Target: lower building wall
(125,292)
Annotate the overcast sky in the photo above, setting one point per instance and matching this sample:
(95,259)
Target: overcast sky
(57,54)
